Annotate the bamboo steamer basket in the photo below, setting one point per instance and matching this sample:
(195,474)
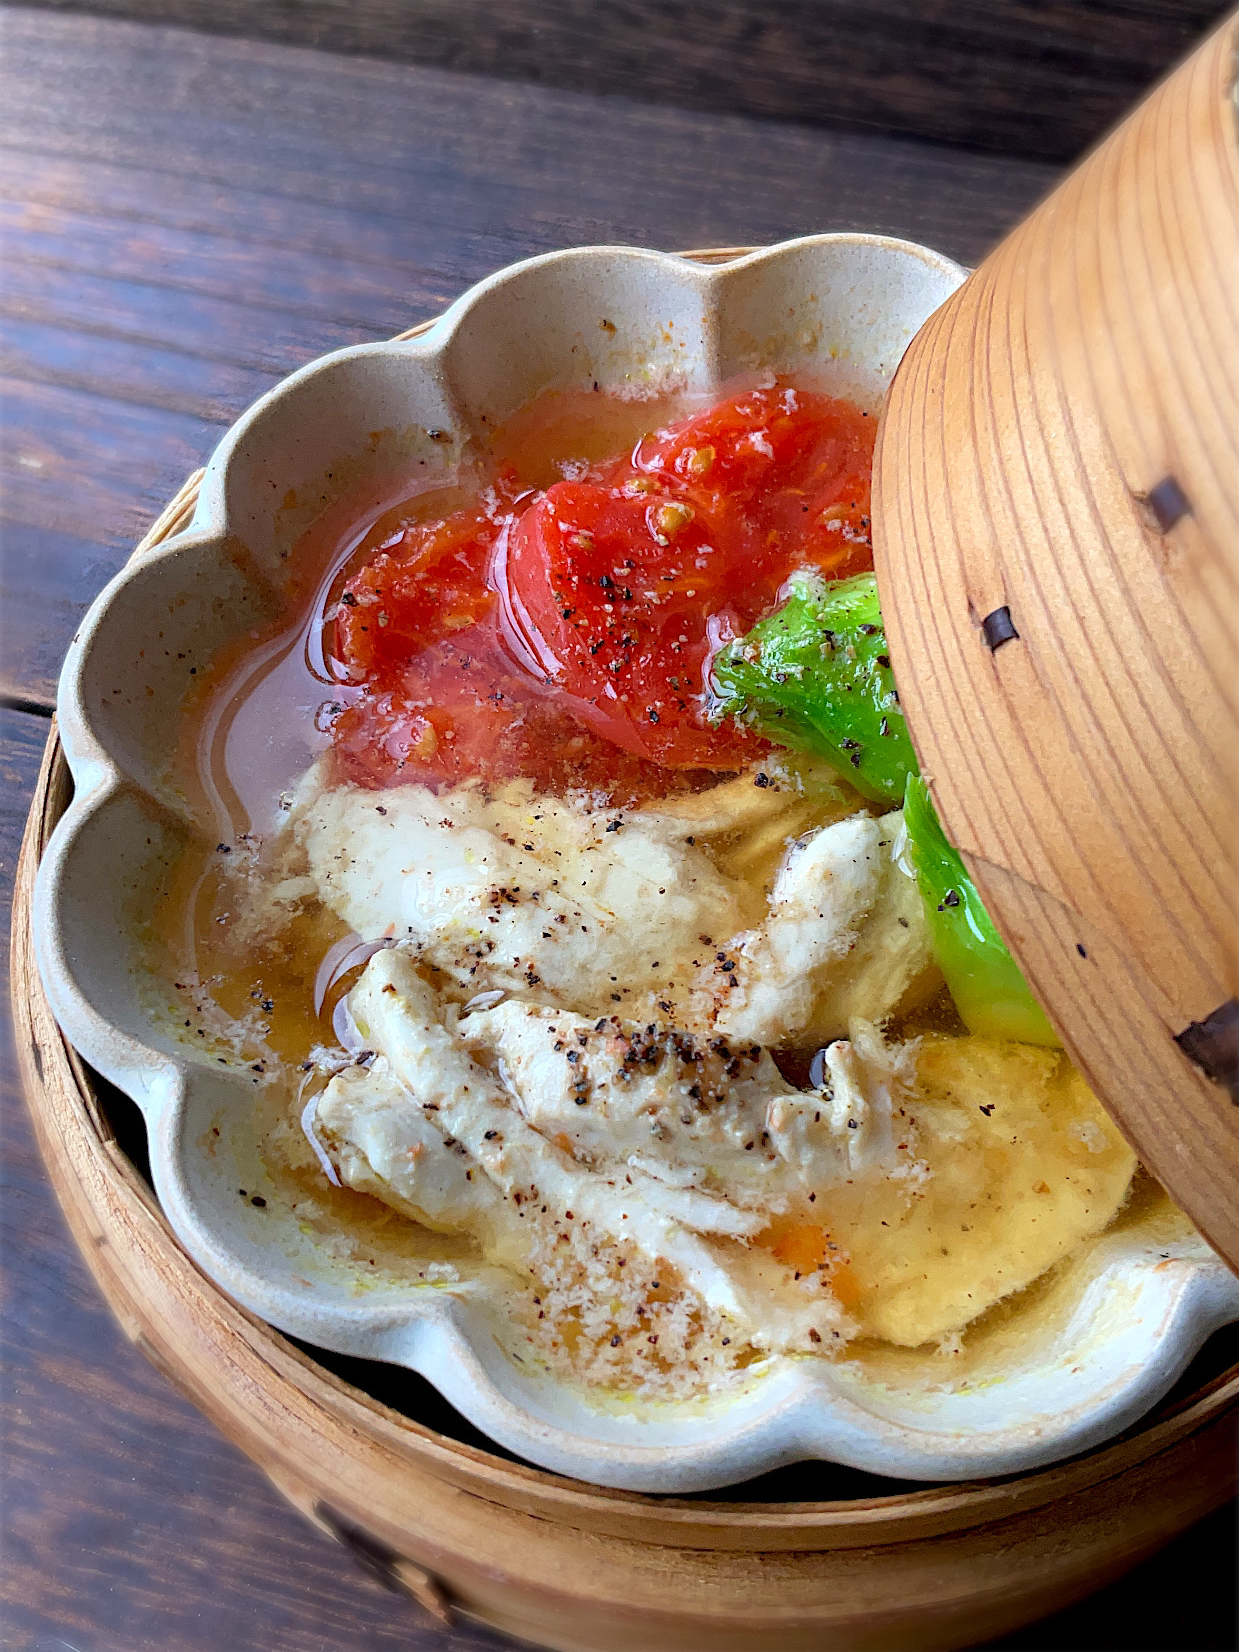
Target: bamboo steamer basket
(465,1531)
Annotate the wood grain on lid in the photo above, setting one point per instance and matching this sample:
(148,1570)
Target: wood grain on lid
(1062,441)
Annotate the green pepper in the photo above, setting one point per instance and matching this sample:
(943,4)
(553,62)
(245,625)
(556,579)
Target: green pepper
(990,993)
(816,675)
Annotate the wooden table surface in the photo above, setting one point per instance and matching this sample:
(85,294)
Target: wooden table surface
(187,219)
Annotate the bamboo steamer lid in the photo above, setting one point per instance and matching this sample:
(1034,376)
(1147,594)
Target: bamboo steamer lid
(1056,525)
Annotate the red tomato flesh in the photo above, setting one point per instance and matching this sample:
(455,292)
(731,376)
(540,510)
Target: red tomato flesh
(566,634)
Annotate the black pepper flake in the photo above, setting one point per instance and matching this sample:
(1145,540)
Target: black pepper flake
(258,1202)
(951,898)
(1080,949)
(987,1108)
(761,780)
(348,599)
(653,715)
(884,660)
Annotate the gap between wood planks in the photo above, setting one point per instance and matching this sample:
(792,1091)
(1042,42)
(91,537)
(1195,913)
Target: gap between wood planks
(34,705)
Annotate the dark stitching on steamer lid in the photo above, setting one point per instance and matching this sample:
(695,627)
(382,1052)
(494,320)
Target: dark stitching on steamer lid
(998,628)
(1167,504)
(1213,1044)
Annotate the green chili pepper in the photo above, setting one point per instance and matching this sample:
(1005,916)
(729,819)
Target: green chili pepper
(816,675)
(990,993)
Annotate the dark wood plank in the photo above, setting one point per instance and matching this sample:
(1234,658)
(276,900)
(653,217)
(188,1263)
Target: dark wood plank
(81,476)
(123,369)
(139,195)
(211,329)
(217,265)
(94,466)
(489,169)
(1029,78)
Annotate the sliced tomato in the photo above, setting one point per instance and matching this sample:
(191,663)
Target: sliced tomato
(793,464)
(566,635)
(741,447)
(429,583)
(761,442)
(825,526)
(443,723)
(610,592)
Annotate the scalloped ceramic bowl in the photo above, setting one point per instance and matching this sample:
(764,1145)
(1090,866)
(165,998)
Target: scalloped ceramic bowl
(1078,1361)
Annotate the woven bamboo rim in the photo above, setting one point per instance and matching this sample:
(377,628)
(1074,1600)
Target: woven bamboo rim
(459,1529)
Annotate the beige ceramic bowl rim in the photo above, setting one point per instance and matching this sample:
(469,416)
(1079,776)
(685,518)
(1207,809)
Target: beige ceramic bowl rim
(801,1409)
